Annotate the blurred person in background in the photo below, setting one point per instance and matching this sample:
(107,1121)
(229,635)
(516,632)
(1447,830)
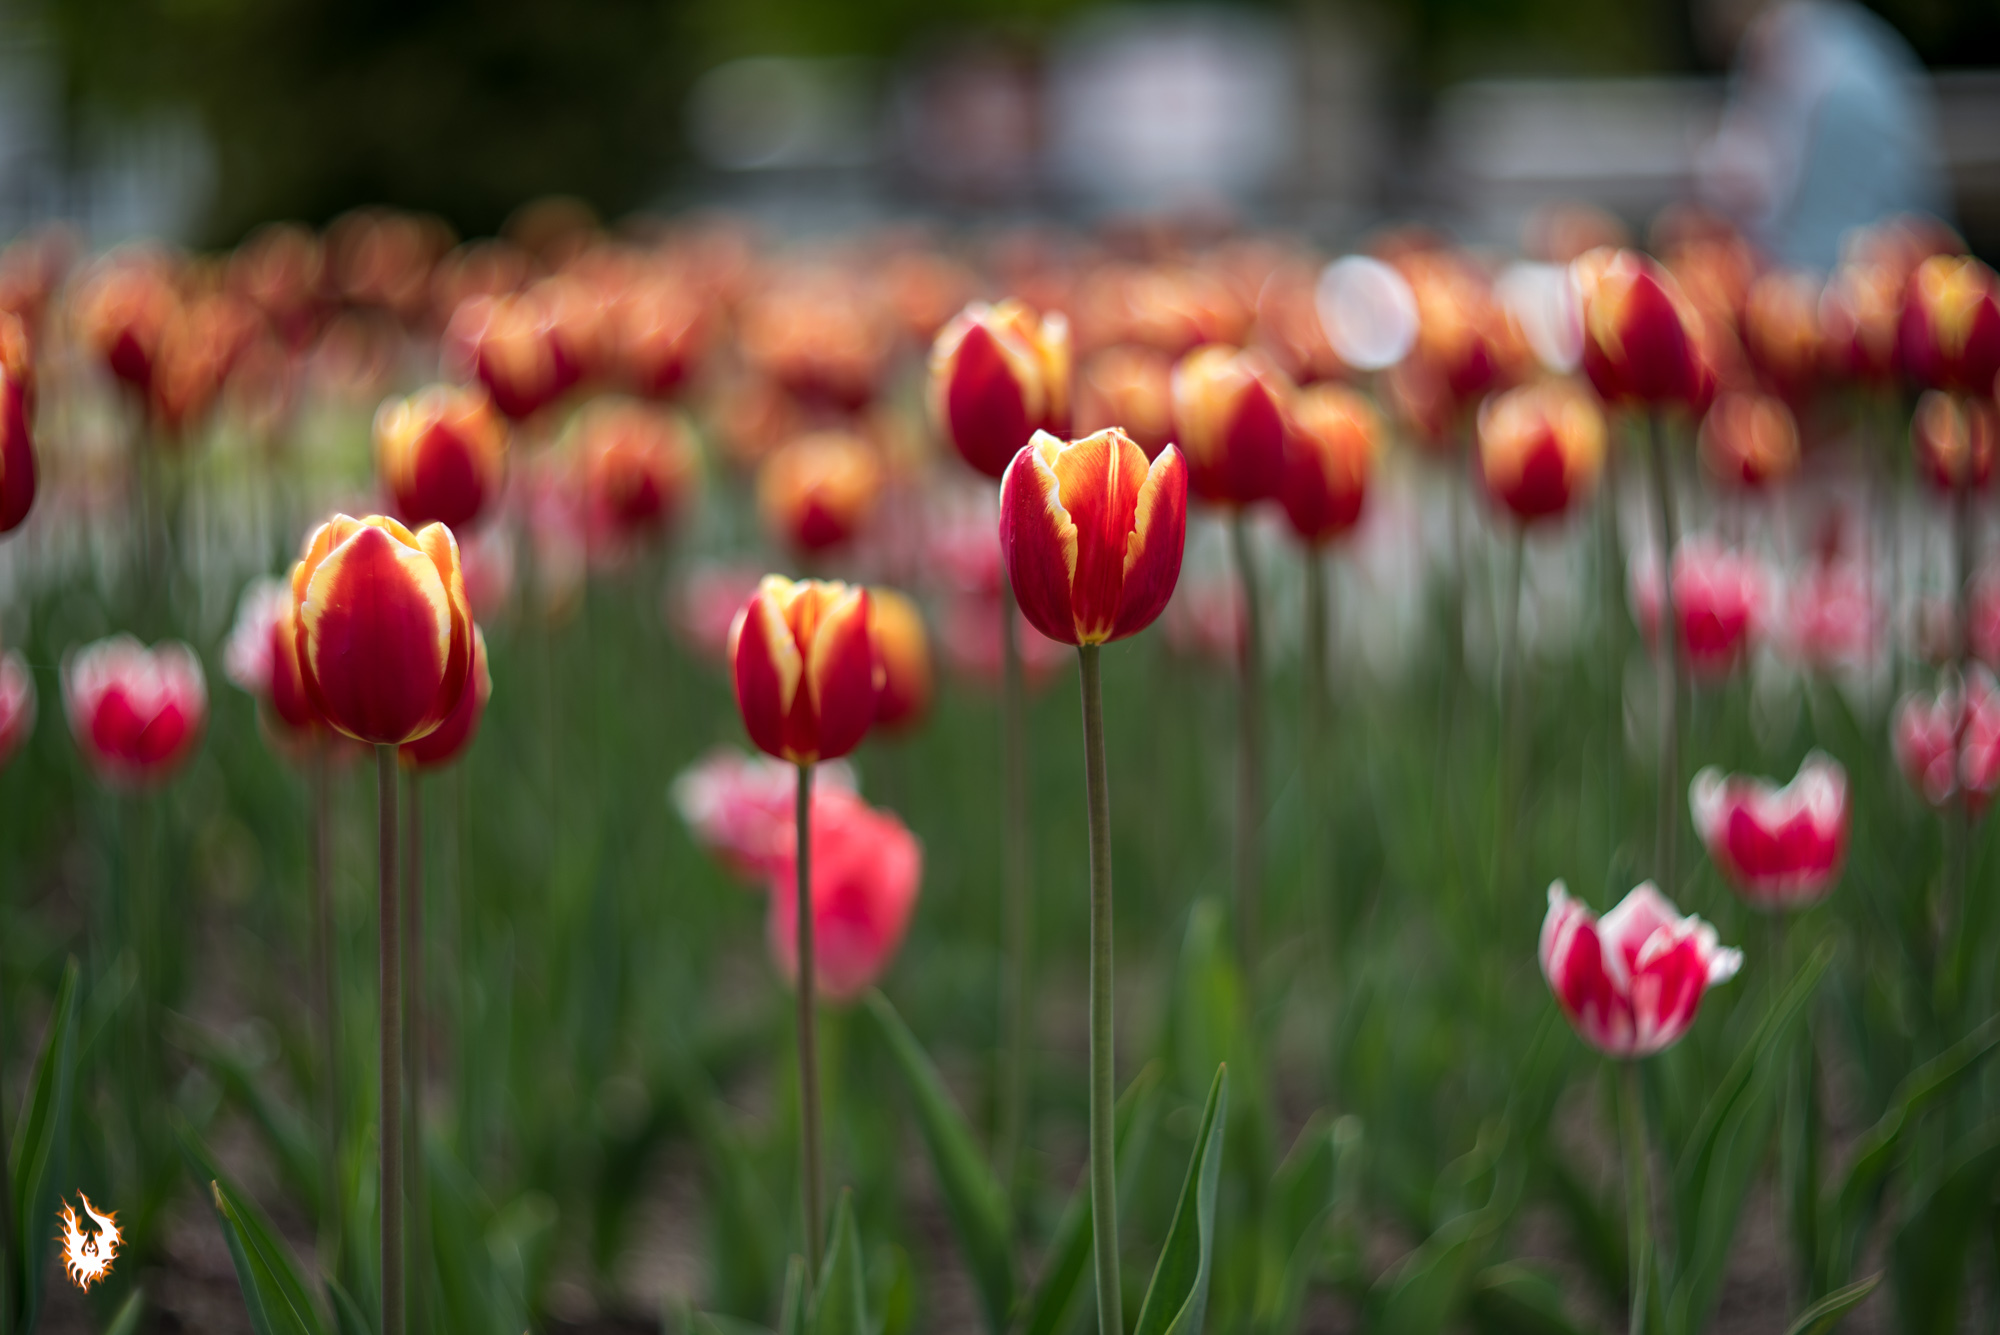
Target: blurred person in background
(1829,126)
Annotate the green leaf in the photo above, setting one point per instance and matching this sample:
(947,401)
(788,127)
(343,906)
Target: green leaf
(792,1307)
(1596,1231)
(1177,1299)
(840,1302)
(1423,1294)
(41,1147)
(743,1252)
(1513,1299)
(285,1132)
(714,1323)
(348,1318)
(973,1199)
(1068,1254)
(129,1312)
(1295,1216)
(1940,1218)
(1824,1315)
(273,1289)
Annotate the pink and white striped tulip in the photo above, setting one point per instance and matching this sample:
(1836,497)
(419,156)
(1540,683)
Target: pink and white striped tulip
(1630,982)
(1779,848)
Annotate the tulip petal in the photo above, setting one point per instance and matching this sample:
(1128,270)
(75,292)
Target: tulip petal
(1039,540)
(766,668)
(1099,479)
(377,637)
(1154,548)
(840,677)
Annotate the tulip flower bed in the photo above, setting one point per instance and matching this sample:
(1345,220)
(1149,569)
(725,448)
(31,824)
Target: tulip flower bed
(1211,794)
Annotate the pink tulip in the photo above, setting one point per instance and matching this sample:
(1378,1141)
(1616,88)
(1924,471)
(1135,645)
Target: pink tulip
(1779,848)
(1925,736)
(740,807)
(1720,597)
(17,704)
(866,869)
(1630,982)
(246,654)
(136,713)
(1831,616)
(705,605)
(1204,620)
(969,634)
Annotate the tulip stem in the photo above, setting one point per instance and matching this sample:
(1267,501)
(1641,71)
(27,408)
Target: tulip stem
(1512,699)
(390,1198)
(1319,887)
(413,1036)
(1018,892)
(1667,828)
(1638,1204)
(1958,817)
(326,982)
(809,1164)
(1103,1166)
(1249,748)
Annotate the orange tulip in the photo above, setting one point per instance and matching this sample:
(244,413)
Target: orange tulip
(384,632)
(447,742)
(1092,534)
(509,343)
(662,329)
(1751,440)
(1541,448)
(1859,315)
(818,491)
(442,453)
(1130,387)
(1229,414)
(1953,440)
(803,664)
(903,654)
(997,376)
(1641,339)
(1330,452)
(1782,331)
(639,462)
(1951,324)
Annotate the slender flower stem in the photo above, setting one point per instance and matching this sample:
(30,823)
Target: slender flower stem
(390,1198)
(1958,835)
(1667,829)
(1018,891)
(809,1163)
(1638,1200)
(1249,750)
(1103,1165)
(413,1039)
(326,983)
(1512,702)
(9,1274)
(1611,593)
(1320,889)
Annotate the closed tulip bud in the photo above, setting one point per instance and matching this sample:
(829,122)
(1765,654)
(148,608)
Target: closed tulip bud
(1860,314)
(122,310)
(17,453)
(1640,335)
(803,663)
(136,713)
(819,491)
(1953,438)
(903,659)
(1951,325)
(447,742)
(1630,982)
(262,657)
(1092,534)
(1749,440)
(1541,448)
(1782,331)
(997,376)
(1779,848)
(741,809)
(1229,412)
(866,870)
(639,462)
(442,454)
(1330,454)
(1929,734)
(1460,331)
(384,631)
(17,704)
(1129,387)
(509,343)
(662,329)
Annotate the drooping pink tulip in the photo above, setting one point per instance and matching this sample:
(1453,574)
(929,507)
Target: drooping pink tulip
(1630,982)
(866,870)
(740,808)
(1925,736)
(137,713)
(1779,848)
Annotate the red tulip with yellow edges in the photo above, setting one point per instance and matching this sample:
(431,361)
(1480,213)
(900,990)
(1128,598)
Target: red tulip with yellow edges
(1541,448)
(1130,387)
(509,343)
(639,462)
(999,374)
(902,659)
(1330,453)
(384,632)
(802,659)
(1782,330)
(442,453)
(1640,335)
(447,742)
(1860,314)
(1749,440)
(1951,325)
(17,452)
(121,311)
(819,490)
(1092,534)
(1229,412)
(1953,438)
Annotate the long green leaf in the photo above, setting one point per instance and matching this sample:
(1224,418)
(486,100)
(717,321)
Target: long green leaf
(1824,1315)
(41,1147)
(274,1290)
(1177,1299)
(1512,1299)
(1939,1221)
(129,1312)
(286,1133)
(1423,1294)
(840,1302)
(972,1196)
(792,1306)
(1295,1217)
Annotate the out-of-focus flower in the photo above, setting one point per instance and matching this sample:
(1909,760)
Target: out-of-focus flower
(1831,616)
(1289,328)
(136,713)
(261,657)
(1860,312)
(17,452)
(1749,440)
(1951,325)
(1541,448)
(922,288)
(1721,597)
(663,330)
(122,309)
(509,343)
(1641,342)
(1953,437)
(999,374)
(1779,848)
(1330,454)
(1462,335)
(1782,330)
(385,260)
(815,332)
(447,742)
(1368,311)
(639,463)
(583,323)
(1229,415)
(704,605)
(196,350)
(970,637)
(280,268)
(1130,387)
(741,808)
(1092,534)
(442,453)
(819,490)
(902,659)
(1630,982)
(1924,733)
(384,631)
(866,870)
(1205,620)
(486,560)
(17,704)
(803,663)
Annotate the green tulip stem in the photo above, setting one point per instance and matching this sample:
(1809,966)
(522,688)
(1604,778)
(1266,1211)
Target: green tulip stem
(811,1186)
(413,1036)
(391,983)
(1958,834)
(1638,1204)
(326,983)
(1249,748)
(1319,885)
(1667,828)
(1513,702)
(1103,1166)
(1017,890)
